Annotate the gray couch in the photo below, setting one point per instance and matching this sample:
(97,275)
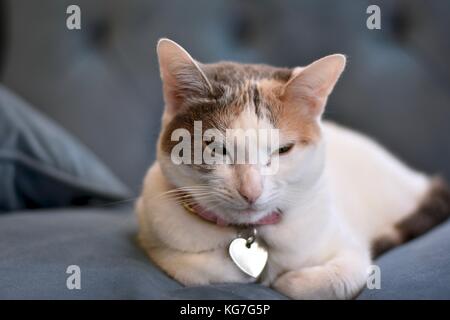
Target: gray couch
(101,83)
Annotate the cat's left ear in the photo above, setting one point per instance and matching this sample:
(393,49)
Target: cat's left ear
(310,86)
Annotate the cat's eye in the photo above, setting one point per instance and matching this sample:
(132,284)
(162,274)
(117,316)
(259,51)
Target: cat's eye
(284,149)
(220,150)
(224,150)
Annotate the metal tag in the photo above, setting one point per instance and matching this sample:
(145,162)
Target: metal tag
(248,255)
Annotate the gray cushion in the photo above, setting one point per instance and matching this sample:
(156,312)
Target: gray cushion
(37,248)
(41,165)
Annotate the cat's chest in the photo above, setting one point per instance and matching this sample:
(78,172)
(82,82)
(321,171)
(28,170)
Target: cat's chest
(292,244)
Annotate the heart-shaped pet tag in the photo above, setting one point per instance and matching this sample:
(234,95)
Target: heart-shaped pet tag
(250,258)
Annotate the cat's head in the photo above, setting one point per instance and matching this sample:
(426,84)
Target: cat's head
(229,95)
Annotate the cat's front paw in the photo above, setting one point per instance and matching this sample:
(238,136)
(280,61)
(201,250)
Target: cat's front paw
(317,283)
(304,285)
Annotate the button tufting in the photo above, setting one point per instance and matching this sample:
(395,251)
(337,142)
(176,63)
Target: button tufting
(100,32)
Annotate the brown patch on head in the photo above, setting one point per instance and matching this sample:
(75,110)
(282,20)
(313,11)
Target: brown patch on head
(433,210)
(239,83)
(212,115)
(303,97)
(231,74)
(289,117)
(234,87)
(256,101)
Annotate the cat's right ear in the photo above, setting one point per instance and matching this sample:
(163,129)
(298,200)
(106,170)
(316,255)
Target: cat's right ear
(310,86)
(181,75)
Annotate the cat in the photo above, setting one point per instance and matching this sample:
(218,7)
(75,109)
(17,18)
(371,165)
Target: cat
(338,200)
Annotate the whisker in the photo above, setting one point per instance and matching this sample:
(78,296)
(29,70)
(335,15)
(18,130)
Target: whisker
(119,202)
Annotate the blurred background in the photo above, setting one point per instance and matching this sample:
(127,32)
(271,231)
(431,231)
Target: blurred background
(102,83)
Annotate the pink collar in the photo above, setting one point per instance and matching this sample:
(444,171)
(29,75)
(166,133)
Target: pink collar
(210,216)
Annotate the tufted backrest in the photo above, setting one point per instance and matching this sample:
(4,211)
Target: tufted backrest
(102,82)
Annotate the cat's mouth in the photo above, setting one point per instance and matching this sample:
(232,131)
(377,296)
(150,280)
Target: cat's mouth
(242,217)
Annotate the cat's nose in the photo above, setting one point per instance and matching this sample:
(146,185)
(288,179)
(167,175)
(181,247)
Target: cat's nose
(250,187)
(249,195)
